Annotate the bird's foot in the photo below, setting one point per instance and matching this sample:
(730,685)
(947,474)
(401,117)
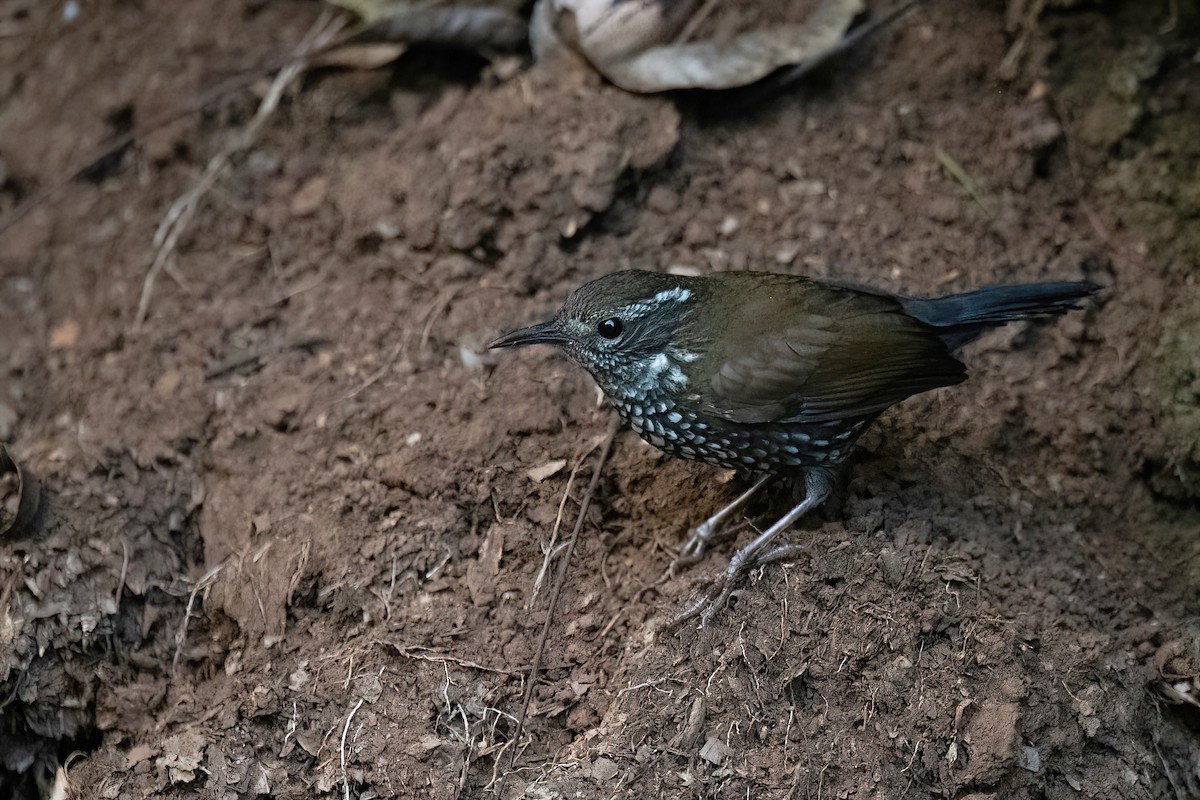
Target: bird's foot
(713,528)
(698,542)
(717,595)
(762,550)
(719,591)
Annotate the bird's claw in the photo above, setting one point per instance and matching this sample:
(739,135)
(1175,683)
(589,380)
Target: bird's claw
(760,551)
(705,606)
(698,541)
(693,549)
(715,597)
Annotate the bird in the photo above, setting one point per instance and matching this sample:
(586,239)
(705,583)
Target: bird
(774,374)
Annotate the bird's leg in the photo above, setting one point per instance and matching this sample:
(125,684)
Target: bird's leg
(703,534)
(818,483)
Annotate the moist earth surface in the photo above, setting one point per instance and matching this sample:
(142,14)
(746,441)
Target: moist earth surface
(295,517)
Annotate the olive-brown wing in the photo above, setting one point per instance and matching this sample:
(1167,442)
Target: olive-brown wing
(821,368)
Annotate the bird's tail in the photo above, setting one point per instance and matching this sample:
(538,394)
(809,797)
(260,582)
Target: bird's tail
(965,316)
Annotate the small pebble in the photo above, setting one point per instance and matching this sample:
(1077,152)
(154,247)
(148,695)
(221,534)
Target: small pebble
(893,566)
(310,196)
(64,335)
(787,252)
(662,200)
(604,769)
(809,188)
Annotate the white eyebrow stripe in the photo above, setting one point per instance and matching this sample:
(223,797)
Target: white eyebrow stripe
(676,294)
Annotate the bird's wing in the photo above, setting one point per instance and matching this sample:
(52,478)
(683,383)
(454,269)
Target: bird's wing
(821,368)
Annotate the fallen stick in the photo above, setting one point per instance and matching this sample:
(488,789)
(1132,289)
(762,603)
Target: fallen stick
(559,580)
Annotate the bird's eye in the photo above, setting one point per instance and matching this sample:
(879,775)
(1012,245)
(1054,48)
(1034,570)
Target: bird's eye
(610,328)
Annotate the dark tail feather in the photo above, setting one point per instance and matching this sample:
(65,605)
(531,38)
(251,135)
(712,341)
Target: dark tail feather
(965,316)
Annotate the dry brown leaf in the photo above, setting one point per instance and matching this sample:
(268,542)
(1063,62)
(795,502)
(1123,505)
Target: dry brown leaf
(539,474)
(20,496)
(474,25)
(361,55)
(635,44)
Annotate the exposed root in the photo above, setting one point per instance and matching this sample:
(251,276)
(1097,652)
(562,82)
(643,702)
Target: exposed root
(342,748)
(207,580)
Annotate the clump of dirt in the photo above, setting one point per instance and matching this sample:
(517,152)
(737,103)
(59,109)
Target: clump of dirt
(1141,120)
(10,498)
(1177,460)
(300,526)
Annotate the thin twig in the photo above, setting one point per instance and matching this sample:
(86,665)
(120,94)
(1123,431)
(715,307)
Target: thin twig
(559,580)
(851,40)
(388,363)
(558,520)
(124,572)
(179,216)
(257,356)
(694,22)
(435,312)
(417,652)
(342,749)
(966,181)
(207,580)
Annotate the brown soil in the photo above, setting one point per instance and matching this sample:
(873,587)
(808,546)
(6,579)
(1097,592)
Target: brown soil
(290,539)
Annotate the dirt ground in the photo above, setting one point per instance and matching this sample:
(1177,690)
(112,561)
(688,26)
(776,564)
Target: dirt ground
(291,537)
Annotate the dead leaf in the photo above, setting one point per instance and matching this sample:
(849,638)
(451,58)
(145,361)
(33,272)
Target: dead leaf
(642,47)
(182,756)
(310,741)
(139,753)
(605,769)
(20,497)
(363,55)
(367,10)
(539,474)
(715,751)
(472,25)
(481,574)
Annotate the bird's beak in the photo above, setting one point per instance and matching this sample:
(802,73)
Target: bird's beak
(543,333)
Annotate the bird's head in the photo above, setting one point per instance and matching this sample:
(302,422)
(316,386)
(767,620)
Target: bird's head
(624,329)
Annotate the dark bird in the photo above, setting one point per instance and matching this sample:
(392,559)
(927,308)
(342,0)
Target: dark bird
(774,374)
